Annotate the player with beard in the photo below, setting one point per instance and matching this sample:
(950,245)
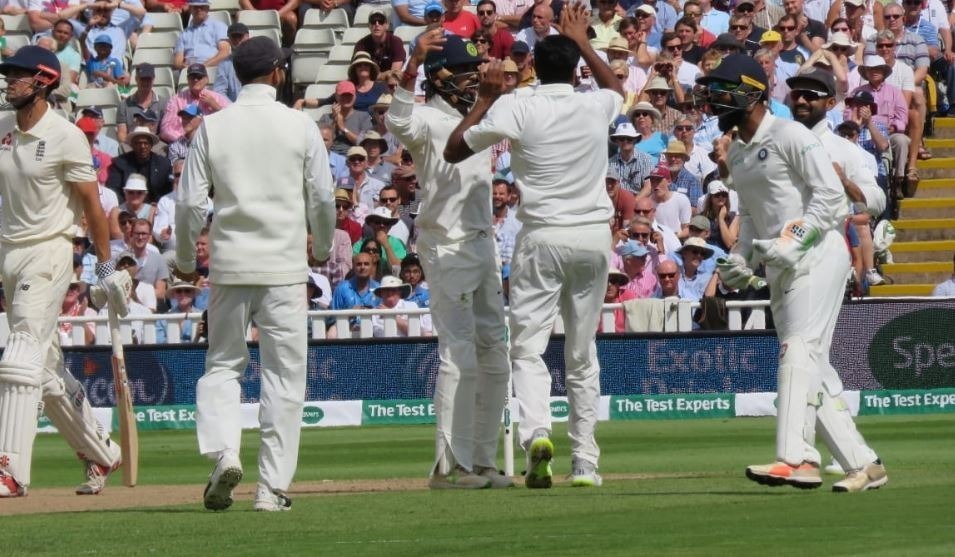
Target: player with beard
(456,246)
(47,182)
(793,208)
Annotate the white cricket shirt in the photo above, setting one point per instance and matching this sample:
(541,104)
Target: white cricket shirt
(558,151)
(851,158)
(35,168)
(455,198)
(784,173)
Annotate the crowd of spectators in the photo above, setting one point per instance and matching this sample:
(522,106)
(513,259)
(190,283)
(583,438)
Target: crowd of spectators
(673,216)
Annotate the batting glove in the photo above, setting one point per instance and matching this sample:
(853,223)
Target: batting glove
(113,288)
(792,245)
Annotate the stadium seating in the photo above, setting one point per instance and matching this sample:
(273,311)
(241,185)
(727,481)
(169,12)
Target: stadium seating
(408,32)
(354,34)
(331,73)
(364,10)
(314,40)
(224,17)
(224,5)
(160,39)
(260,19)
(269,32)
(166,21)
(106,98)
(340,55)
(159,57)
(164,78)
(305,67)
(335,19)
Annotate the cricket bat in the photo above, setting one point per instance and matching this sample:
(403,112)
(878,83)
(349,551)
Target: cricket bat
(128,434)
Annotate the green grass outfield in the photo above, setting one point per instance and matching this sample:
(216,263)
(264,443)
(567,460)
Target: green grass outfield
(695,500)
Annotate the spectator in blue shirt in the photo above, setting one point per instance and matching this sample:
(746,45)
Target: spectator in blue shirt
(205,41)
(226,82)
(103,70)
(182,296)
(694,283)
(357,291)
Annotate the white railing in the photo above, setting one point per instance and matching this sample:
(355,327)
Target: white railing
(363,326)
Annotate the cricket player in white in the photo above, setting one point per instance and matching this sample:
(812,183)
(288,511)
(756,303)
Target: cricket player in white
(793,213)
(46,183)
(457,249)
(270,171)
(559,159)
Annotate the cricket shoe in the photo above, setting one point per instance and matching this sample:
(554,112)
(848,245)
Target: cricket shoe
(498,480)
(96,475)
(871,476)
(539,475)
(584,474)
(9,487)
(227,475)
(459,478)
(268,500)
(804,476)
(834,468)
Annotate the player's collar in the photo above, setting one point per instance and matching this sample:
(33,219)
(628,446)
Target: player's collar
(761,131)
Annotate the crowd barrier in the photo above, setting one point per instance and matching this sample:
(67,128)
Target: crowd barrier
(895,356)
(343,320)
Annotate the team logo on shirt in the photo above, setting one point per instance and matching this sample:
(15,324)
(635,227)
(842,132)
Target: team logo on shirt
(40,150)
(762,154)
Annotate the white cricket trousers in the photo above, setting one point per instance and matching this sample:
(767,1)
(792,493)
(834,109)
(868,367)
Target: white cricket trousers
(280,315)
(467,309)
(559,269)
(36,276)
(805,302)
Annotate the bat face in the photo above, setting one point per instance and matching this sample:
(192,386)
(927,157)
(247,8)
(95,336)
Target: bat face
(128,433)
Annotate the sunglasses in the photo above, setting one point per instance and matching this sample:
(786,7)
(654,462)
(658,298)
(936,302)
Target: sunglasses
(692,251)
(885,45)
(642,114)
(643,211)
(745,9)
(891,16)
(388,199)
(625,139)
(342,206)
(692,14)
(683,128)
(641,15)
(674,47)
(810,96)
(738,27)
(667,275)
(639,235)
(376,21)
(787,28)
(485,12)
(480,41)
(622,76)
(352,160)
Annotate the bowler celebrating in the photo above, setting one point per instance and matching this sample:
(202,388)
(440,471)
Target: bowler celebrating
(793,210)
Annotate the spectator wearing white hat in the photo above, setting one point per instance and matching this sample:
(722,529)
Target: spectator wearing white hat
(631,164)
(393,250)
(645,118)
(392,293)
(182,296)
(698,162)
(375,147)
(134,194)
(364,186)
(694,283)
(724,221)
(658,90)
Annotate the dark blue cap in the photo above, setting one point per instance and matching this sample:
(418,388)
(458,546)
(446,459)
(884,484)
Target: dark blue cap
(740,69)
(32,58)
(92,110)
(456,52)
(520,47)
(148,115)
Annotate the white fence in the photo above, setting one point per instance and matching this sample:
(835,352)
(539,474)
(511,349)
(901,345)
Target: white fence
(363,329)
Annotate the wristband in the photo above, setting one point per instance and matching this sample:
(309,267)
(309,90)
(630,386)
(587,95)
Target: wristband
(105,268)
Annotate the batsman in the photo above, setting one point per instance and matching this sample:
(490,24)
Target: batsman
(792,218)
(47,182)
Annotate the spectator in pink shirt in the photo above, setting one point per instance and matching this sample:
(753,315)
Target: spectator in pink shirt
(643,282)
(170,130)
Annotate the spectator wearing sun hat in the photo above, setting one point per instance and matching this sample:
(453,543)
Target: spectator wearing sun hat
(141,159)
(392,293)
(681,179)
(631,164)
(694,283)
(393,250)
(182,297)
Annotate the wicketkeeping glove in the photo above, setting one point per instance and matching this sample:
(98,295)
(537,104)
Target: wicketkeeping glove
(735,274)
(113,288)
(786,251)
